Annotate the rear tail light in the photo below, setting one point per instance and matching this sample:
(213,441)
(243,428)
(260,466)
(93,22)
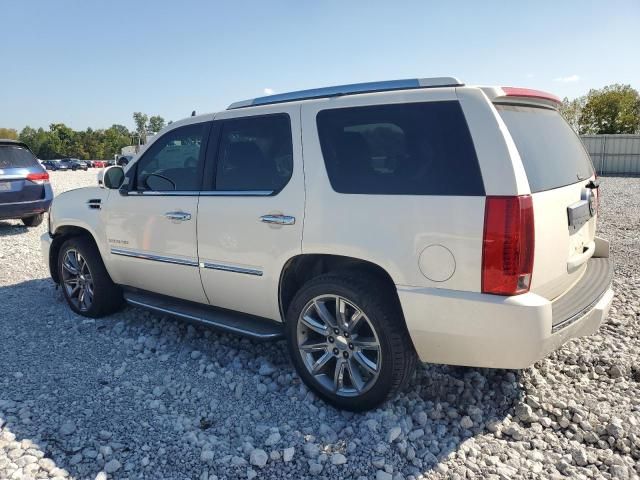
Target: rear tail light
(508,245)
(39,178)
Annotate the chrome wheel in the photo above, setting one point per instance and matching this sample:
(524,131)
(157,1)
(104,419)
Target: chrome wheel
(77,280)
(339,346)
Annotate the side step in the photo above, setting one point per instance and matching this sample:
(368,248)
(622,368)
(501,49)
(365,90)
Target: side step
(257,328)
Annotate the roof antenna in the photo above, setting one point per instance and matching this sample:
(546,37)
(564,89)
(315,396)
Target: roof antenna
(193,114)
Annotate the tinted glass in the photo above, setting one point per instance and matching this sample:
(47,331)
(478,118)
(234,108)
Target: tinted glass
(16,157)
(552,154)
(255,153)
(404,149)
(173,161)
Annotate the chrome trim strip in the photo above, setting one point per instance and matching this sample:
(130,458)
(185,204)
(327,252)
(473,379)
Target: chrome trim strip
(237,193)
(223,326)
(155,258)
(211,193)
(229,268)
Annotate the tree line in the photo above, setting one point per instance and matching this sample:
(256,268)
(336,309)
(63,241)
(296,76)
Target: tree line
(609,110)
(60,141)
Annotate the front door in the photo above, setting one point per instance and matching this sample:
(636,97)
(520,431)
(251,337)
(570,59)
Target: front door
(250,219)
(151,231)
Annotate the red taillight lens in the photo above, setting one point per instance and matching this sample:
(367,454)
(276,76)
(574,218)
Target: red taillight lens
(508,245)
(38,177)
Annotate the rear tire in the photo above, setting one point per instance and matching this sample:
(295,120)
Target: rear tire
(33,220)
(366,356)
(85,282)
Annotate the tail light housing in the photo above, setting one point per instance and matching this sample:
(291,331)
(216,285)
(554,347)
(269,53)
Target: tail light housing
(40,178)
(508,245)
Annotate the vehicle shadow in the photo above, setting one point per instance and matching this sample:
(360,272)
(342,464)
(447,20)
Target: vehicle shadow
(7,228)
(147,394)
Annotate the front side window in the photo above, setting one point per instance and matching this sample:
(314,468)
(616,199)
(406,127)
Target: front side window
(255,154)
(400,149)
(172,163)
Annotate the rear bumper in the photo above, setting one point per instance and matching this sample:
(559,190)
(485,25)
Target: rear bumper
(474,329)
(25,209)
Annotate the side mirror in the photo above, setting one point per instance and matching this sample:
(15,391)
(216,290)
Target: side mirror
(112,177)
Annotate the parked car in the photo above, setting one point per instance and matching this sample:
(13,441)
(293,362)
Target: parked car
(54,165)
(99,163)
(75,164)
(124,160)
(428,220)
(25,192)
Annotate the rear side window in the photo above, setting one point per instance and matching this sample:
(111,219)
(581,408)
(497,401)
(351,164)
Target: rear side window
(551,152)
(403,149)
(16,157)
(255,154)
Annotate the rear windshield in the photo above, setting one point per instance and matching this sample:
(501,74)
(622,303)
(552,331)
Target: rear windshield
(400,149)
(16,157)
(552,154)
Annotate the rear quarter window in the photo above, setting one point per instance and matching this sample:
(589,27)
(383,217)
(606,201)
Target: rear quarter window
(552,154)
(400,149)
(13,156)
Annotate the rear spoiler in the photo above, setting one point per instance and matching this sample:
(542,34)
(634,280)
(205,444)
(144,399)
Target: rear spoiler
(524,96)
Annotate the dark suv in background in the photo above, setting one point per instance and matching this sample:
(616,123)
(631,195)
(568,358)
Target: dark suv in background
(25,191)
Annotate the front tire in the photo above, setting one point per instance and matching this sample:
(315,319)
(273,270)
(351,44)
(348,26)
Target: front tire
(33,220)
(348,341)
(85,282)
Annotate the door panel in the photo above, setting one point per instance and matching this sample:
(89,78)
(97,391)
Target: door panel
(241,255)
(149,250)
(151,229)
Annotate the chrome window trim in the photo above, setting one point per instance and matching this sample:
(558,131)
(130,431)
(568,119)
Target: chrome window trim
(229,268)
(155,258)
(210,193)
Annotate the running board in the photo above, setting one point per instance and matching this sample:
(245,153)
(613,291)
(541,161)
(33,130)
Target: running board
(256,328)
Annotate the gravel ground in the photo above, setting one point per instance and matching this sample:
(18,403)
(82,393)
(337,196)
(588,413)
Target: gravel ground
(138,395)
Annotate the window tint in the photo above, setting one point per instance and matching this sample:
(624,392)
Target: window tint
(16,157)
(173,161)
(552,154)
(404,149)
(255,154)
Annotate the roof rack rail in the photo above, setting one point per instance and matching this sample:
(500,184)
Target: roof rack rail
(354,88)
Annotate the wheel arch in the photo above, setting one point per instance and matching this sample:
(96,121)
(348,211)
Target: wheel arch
(300,269)
(61,235)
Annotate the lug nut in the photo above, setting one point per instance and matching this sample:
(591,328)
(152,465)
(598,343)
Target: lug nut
(330,339)
(336,331)
(346,334)
(335,351)
(345,354)
(351,346)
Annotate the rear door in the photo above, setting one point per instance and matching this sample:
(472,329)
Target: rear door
(250,218)
(16,163)
(559,172)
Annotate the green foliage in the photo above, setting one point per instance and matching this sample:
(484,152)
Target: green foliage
(613,109)
(609,110)
(61,141)
(9,133)
(156,123)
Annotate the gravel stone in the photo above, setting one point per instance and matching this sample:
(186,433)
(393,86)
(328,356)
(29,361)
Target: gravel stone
(287,454)
(112,466)
(338,459)
(258,458)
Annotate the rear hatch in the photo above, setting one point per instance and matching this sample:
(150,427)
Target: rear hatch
(560,176)
(21,175)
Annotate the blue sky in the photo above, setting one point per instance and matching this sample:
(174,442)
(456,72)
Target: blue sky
(93,63)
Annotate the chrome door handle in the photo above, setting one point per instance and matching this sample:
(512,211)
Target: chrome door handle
(179,216)
(278,219)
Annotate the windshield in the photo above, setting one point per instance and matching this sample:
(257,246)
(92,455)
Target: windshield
(551,152)
(16,157)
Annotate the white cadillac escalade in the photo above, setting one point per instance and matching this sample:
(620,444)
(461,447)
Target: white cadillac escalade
(371,225)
